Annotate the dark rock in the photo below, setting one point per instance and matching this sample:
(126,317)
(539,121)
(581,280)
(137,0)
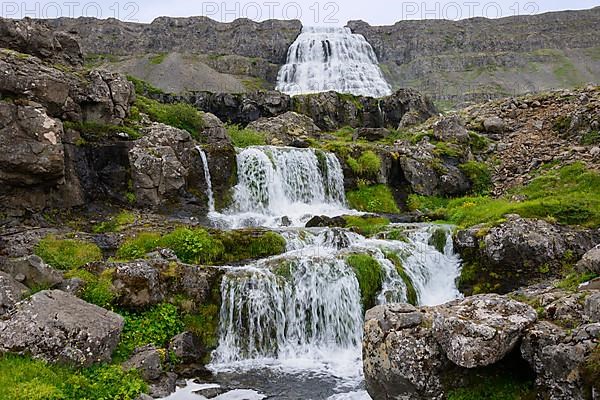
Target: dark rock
(451,129)
(371,134)
(59,327)
(211,393)
(188,348)
(592,307)
(326,222)
(166,385)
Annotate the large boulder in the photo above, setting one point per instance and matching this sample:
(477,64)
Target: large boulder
(11,292)
(518,252)
(590,262)
(60,328)
(481,330)
(451,129)
(287,128)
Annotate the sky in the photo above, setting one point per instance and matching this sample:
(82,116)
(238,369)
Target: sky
(310,12)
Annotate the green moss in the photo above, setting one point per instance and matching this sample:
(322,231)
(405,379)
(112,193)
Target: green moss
(98,290)
(158,58)
(205,324)
(495,388)
(591,138)
(22,378)
(241,137)
(143,88)
(438,239)
(480,176)
(156,326)
(137,247)
(179,115)
(116,223)
(447,150)
(376,199)
(194,246)
(67,254)
(411,293)
(93,131)
(367,226)
(250,244)
(370,277)
(572,281)
(254,84)
(478,143)
(367,165)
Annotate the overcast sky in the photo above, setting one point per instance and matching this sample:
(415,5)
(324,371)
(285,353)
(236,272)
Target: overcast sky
(311,12)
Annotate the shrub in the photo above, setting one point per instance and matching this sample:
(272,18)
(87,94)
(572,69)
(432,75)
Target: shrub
(67,254)
(375,199)
(367,165)
(479,175)
(178,115)
(156,326)
(193,246)
(22,378)
(370,277)
(137,247)
(366,226)
(242,137)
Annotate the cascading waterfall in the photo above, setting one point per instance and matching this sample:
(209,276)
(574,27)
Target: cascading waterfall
(323,59)
(208,179)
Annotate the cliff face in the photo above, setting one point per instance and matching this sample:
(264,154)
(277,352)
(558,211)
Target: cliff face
(480,58)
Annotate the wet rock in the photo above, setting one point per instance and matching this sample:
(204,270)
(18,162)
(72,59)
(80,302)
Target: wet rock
(590,262)
(481,330)
(11,292)
(187,347)
(211,393)
(32,271)
(286,128)
(326,222)
(166,385)
(60,328)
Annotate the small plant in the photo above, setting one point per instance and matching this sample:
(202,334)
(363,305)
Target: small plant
(370,277)
(194,246)
(137,247)
(249,244)
(367,165)
(480,176)
(178,115)
(93,131)
(591,138)
(143,88)
(243,137)
(367,226)
(411,293)
(205,324)
(374,199)
(158,58)
(67,254)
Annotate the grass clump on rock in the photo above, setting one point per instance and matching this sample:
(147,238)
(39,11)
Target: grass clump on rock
(375,199)
(116,223)
(411,293)
(243,137)
(67,254)
(98,289)
(370,277)
(367,165)
(193,246)
(137,247)
(178,115)
(248,244)
(366,225)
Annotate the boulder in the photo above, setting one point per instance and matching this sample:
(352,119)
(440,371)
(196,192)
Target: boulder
(590,262)
(11,292)
(32,271)
(558,358)
(428,178)
(191,354)
(60,328)
(495,125)
(107,98)
(147,361)
(481,330)
(286,128)
(326,222)
(592,307)
(451,129)
(371,134)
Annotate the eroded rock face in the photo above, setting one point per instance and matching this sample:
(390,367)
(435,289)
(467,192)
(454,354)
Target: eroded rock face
(481,330)
(519,252)
(287,128)
(60,328)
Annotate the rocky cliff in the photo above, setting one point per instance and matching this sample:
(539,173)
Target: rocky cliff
(479,58)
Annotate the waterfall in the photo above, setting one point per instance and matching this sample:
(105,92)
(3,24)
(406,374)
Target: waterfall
(324,59)
(209,190)
(285,182)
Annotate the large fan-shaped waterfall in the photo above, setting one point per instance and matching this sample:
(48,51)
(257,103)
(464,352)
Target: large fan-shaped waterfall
(324,59)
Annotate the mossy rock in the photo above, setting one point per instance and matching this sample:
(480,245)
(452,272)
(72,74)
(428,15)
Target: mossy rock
(370,277)
(411,293)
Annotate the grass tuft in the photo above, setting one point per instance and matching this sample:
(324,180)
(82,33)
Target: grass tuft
(243,137)
(374,199)
(67,254)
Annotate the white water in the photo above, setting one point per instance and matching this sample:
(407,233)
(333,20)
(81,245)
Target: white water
(324,59)
(291,325)
(208,179)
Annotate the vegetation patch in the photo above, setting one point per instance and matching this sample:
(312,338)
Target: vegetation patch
(480,176)
(98,290)
(568,195)
(94,131)
(178,115)
(495,388)
(22,378)
(591,138)
(375,199)
(366,226)
(438,239)
(193,246)
(411,293)
(243,137)
(367,165)
(67,254)
(572,281)
(158,58)
(137,247)
(143,88)
(250,244)
(370,277)
(116,223)
(204,324)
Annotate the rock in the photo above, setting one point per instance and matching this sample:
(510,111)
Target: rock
(592,307)
(558,358)
(33,152)
(594,284)
(11,292)
(107,98)
(188,348)
(34,37)
(74,286)
(60,328)
(481,330)
(17,243)
(451,129)
(211,393)
(147,361)
(287,128)
(519,252)
(401,358)
(371,134)
(166,385)
(32,271)
(326,222)
(426,178)
(494,125)
(590,262)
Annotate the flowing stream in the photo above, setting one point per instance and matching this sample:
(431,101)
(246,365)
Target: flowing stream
(291,325)
(323,59)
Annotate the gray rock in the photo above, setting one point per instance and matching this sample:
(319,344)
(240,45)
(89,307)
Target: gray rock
(146,360)
(495,125)
(32,271)
(187,347)
(60,328)
(590,262)
(166,385)
(286,128)
(451,129)
(11,292)
(481,330)
(592,307)
(371,134)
